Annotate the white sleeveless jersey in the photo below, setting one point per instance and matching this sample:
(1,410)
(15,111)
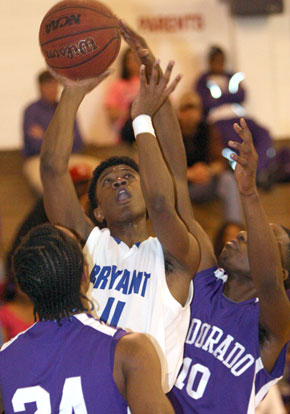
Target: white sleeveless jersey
(129,290)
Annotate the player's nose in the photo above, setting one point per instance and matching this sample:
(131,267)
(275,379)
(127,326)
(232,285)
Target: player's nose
(119,182)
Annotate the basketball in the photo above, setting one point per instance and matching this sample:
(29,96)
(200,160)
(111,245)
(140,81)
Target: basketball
(79,39)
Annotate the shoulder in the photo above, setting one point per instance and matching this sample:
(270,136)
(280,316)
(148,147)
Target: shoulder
(95,234)
(16,340)
(209,276)
(136,349)
(94,325)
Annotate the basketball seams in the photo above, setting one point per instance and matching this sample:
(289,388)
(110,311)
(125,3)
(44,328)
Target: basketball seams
(110,16)
(75,34)
(79,40)
(89,59)
(116,52)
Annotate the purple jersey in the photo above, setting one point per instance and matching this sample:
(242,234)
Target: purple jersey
(222,370)
(62,369)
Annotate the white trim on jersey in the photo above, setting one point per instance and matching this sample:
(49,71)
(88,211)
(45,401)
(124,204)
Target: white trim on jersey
(256,398)
(95,324)
(6,344)
(251,405)
(259,365)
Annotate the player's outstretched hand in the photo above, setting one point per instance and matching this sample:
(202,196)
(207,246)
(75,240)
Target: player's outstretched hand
(153,94)
(139,47)
(85,85)
(247,160)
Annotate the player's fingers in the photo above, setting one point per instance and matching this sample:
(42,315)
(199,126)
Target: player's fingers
(240,160)
(243,131)
(247,133)
(154,74)
(142,73)
(239,130)
(107,73)
(123,26)
(173,85)
(167,72)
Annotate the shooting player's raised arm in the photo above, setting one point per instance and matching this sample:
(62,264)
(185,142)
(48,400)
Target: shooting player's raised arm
(60,199)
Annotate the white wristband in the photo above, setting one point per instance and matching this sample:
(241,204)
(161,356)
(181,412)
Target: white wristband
(142,124)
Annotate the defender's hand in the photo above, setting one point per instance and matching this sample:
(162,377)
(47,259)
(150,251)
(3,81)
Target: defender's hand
(153,94)
(247,160)
(139,47)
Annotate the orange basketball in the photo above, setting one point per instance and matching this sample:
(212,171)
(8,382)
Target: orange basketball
(79,38)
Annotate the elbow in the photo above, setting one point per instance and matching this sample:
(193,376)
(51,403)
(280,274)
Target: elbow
(159,204)
(51,165)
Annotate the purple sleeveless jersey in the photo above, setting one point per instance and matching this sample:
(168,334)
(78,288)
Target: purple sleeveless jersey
(62,369)
(222,370)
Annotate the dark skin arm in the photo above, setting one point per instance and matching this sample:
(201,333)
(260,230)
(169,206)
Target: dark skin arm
(171,143)
(157,184)
(137,373)
(61,203)
(263,252)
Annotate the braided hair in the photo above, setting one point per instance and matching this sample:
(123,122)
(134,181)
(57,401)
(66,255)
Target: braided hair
(48,266)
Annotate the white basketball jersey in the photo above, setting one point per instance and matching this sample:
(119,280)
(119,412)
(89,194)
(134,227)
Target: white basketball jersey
(129,290)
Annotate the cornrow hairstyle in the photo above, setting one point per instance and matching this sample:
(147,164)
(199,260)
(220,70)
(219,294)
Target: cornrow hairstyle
(48,266)
(109,162)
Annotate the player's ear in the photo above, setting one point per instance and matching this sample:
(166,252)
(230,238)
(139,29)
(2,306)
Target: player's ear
(285,274)
(98,213)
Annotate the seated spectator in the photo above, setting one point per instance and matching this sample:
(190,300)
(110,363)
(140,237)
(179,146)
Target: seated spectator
(36,119)
(121,94)
(81,175)
(222,95)
(16,313)
(208,172)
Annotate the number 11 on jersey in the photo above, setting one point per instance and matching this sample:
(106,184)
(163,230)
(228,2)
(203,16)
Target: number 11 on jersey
(118,309)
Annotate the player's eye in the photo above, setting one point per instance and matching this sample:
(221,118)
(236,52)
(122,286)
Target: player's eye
(128,175)
(107,180)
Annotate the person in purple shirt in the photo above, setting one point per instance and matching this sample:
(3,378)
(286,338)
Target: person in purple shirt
(240,315)
(68,361)
(38,114)
(36,119)
(222,95)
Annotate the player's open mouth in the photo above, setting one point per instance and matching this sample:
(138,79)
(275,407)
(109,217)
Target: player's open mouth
(123,194)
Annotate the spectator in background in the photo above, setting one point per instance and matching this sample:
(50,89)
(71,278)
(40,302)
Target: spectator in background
(208,172)
(121,94)
(81,175)
(222,95)
(16,313)
(35,122)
